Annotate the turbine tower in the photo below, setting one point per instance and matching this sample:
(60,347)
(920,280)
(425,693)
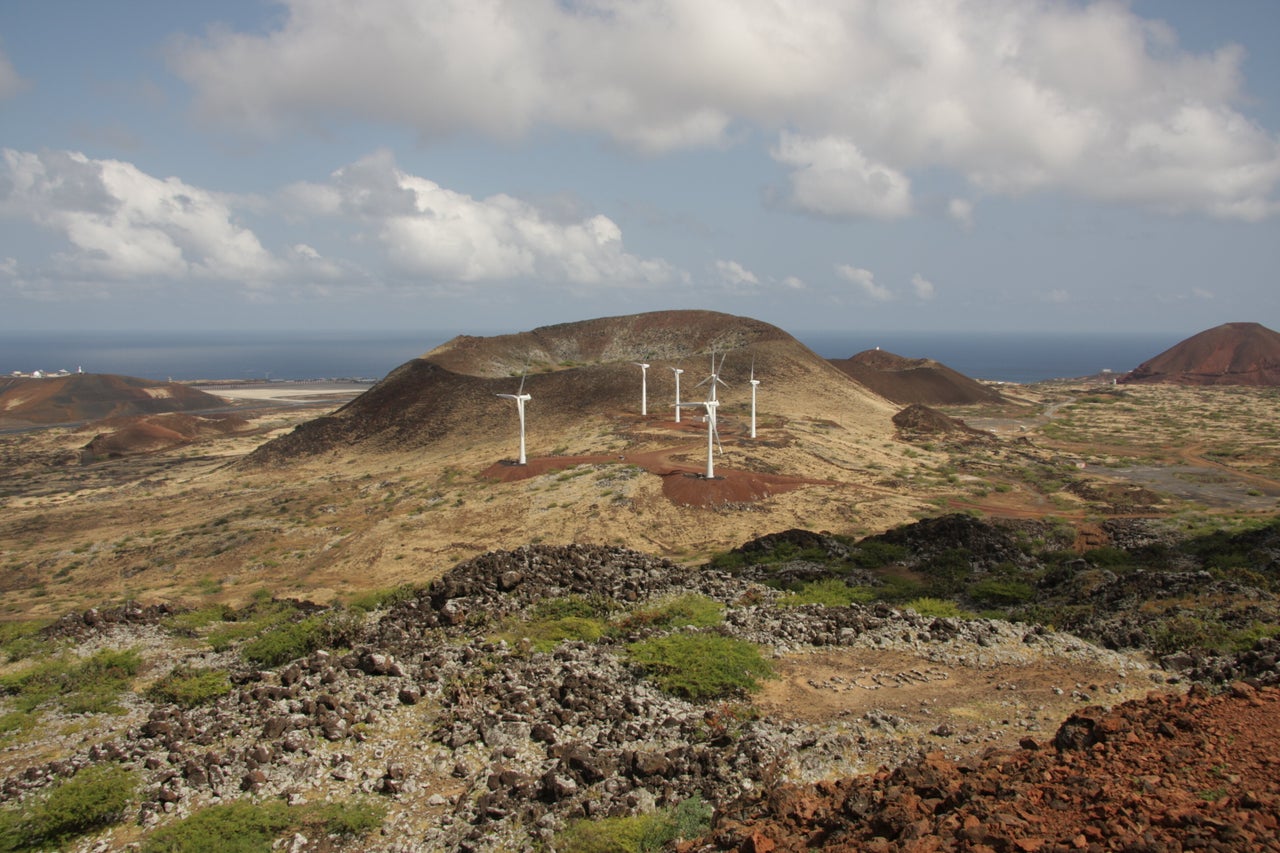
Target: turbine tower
(677,371)
(713,434)
(521,398)
(754,383)
(644,389)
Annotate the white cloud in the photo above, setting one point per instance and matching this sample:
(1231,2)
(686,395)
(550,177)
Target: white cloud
(792,282)
(10,82)
(961,210)
(1057,297)
(1012,95)
(832,177)
(865,280)
(1202,293)
(430,231)
(923,287)
(121,223)
(735,273)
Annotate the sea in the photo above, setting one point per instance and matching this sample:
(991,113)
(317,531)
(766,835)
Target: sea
(368,356)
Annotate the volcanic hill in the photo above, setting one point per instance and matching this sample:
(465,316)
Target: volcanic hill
(93,396)
(578,373)
(1230,354)
(914,380)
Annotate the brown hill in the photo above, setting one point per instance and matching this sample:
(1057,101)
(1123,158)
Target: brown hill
(575,372)
(1230,354)
(94,396)
(914,380)
(150,433)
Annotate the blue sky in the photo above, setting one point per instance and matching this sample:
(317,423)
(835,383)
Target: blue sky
(922,165)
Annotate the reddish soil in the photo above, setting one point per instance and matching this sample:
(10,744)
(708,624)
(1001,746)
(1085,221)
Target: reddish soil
(1230,354)
(93,396)
(1167,773)
(684,485)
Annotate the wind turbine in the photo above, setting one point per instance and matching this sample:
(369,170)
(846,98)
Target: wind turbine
(677,371)
(714,379)
(521,398)
(754,383)
(713,434)
(644,389)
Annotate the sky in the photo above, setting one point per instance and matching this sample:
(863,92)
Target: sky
(496,165)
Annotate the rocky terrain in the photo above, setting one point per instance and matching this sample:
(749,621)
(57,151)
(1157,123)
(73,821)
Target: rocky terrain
(494,707)
(1230,354)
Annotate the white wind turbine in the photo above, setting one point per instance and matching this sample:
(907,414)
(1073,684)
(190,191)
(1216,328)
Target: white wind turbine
(713,435)
(644,388)
(714,379)
(677,371)
(521,398)
(754,383)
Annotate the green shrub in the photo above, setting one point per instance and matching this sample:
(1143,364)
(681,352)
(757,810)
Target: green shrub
(90,685)
(19,640)
(286,641)
(188,622)
(586,607)
(546,634)
(189,687)
(637,833)
(247,827)
(831,592)
(874,554)
(382,599)
(938,608)
(93,799)
(701,666)
(696,611)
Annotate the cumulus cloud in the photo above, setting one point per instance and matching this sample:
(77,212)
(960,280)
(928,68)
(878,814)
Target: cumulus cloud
(860,94)
(432,232)
(865,280)
(923,287)
(792,282)
(830,176)
(735,273)
(121,223)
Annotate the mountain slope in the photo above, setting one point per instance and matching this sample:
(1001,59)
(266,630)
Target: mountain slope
(93,396)
(1230,354)
(914,380)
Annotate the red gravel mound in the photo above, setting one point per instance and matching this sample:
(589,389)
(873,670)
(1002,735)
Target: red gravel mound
(1171,773)
(914,380)
(151,433)
(1230,354)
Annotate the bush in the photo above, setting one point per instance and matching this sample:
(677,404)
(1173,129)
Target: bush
(189,687)
(938,608)
(637,833)
(696,611)
(701,666)
(546,634)
(285,642)
(94,798)
(382,599)
(246,827)
(831,592)
(83,686)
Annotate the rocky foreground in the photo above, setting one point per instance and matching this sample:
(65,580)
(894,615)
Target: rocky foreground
(476,739)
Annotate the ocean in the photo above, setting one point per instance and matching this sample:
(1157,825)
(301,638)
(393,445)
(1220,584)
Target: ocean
(1007,357)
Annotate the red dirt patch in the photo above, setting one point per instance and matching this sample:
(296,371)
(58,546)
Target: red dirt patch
(681,484)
